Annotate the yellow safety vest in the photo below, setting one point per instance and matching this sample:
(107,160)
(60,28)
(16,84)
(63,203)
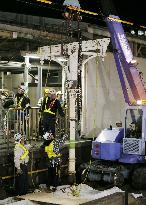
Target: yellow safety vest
(49,109)
(26,152)
(50,151)
(20,101)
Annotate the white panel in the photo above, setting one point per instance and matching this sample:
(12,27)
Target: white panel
(73,66)
(103,94)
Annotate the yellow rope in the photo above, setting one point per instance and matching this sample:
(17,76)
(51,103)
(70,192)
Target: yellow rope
(81,10)
(120,21)
(45,1)
(92,13)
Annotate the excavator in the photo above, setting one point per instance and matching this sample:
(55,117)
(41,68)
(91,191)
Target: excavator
(118,154)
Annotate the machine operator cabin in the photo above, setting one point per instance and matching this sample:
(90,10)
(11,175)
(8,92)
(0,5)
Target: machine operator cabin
(72,103)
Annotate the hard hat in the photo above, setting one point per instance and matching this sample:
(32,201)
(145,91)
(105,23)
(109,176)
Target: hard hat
(17,137)
(52,91)
(47,136)
(46,91)
(59,93)
(22,87)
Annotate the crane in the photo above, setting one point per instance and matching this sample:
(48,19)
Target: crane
(119,153)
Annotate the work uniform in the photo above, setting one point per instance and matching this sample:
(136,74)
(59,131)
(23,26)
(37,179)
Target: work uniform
(49,109)
(22,100)
(54,160)
(23,104)
(39,104)
(21,158)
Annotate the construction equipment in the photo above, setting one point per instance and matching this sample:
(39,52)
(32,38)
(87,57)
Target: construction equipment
(119,153)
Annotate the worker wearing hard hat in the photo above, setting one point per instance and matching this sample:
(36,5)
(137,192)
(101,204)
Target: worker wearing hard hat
(46,94)
(59,95)
(21,158)
(50,106)
(22,101)
(52,149)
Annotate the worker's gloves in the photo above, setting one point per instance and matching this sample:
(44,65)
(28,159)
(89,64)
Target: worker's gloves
(19,172)
(27,105)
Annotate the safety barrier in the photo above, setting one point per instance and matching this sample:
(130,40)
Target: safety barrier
(29,123)
(23,121)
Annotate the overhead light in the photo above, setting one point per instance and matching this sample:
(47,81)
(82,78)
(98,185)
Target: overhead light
(73,3)
(132,32)
(140,32)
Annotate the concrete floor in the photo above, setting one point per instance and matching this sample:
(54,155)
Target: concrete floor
(87,196)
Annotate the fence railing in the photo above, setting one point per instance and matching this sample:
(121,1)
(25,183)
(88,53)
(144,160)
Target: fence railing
(29,123)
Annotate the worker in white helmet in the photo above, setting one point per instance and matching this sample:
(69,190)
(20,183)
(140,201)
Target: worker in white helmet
(22,100)
(21,158)
(52,148)
(50,107)
(22,103)
(59,95)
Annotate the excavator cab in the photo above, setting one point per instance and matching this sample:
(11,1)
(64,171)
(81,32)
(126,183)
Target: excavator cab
(133,123)
(135,133)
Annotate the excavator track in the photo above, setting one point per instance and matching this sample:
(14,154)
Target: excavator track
(139,178)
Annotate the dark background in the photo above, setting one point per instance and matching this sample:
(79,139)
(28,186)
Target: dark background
(129,10)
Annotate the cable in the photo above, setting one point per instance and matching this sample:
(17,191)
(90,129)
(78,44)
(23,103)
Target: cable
(76,9)
(48,73)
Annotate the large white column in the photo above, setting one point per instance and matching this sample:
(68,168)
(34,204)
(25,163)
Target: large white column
(72,113)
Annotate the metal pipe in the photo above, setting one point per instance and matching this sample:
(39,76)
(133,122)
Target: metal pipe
(2,77)
(39,87)
(26,72)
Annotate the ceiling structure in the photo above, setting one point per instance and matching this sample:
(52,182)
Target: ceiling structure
(23,31)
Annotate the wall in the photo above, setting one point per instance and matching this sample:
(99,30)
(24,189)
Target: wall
(103,98)
(104,101)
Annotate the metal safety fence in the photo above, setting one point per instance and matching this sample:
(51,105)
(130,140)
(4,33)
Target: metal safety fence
(29,123)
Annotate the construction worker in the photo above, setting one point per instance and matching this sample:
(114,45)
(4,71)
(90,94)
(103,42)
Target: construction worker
(21,158)
(22,103)
(59,95)
(52,149)
(39,104)
(46,94)
(50,107)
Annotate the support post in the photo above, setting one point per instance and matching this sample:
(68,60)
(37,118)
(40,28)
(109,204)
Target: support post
(72,102)
(39,88)
(26,73)
(2,79)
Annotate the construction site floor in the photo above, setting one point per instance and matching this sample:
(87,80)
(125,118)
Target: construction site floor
(84,194)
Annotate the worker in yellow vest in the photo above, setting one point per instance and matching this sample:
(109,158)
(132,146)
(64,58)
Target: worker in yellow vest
(22,101)
(50,106)
(21,158)
(52,149)
(22,104)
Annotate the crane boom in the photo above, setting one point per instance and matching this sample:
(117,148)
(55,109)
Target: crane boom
(123,58)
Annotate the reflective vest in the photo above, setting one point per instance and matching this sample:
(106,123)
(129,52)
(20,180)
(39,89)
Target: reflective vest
(20,101)
(50,106)
(50,150)
(26,152)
